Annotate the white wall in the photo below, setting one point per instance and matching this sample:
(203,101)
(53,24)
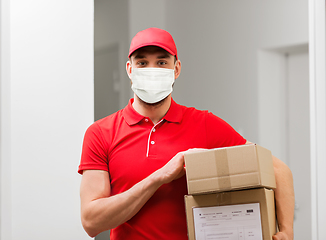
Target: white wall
(145,14)
(50,107)
(218,42)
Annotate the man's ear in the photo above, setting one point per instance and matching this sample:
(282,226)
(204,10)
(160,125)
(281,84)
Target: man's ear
(128,68)
(177,69)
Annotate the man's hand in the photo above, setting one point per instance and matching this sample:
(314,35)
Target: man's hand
(282,236)
(174,169)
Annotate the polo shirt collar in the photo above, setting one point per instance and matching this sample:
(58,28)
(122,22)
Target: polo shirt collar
(174,113)
(132,117)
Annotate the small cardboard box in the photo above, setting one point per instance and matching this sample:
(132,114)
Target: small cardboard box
(229,168)
(217,215)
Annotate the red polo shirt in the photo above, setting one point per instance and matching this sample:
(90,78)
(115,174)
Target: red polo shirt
(130,147)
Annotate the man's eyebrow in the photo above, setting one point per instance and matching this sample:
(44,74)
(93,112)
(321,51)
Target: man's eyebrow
(138,56)
(163,55)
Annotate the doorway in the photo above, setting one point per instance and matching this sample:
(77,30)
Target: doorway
(284,120)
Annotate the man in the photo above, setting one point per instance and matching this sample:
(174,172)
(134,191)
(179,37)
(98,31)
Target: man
(132,161)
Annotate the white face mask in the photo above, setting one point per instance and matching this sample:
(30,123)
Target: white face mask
(152,84)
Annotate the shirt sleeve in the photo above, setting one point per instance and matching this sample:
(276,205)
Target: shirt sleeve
(94,151)
(220,133)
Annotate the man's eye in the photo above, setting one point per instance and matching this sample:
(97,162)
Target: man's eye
(141,63)
(161,63)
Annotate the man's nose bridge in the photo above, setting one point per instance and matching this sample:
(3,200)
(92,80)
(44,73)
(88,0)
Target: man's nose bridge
(151,64)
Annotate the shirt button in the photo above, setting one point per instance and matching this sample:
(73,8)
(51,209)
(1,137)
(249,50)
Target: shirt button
(152,142)
(146,120)
(154,129)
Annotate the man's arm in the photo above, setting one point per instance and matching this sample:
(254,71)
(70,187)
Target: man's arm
(101,212)
(284,198)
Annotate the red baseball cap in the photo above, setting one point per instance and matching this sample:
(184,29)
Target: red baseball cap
(153,37)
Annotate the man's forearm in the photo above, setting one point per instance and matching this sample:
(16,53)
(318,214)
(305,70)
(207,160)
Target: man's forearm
(284,197)
(106,213)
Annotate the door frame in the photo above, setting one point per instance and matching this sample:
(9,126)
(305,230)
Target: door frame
(317,116)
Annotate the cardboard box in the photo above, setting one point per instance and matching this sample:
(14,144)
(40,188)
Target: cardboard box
(230,168)
(237,224)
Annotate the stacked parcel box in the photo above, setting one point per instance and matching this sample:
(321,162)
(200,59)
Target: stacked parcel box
(230,193)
